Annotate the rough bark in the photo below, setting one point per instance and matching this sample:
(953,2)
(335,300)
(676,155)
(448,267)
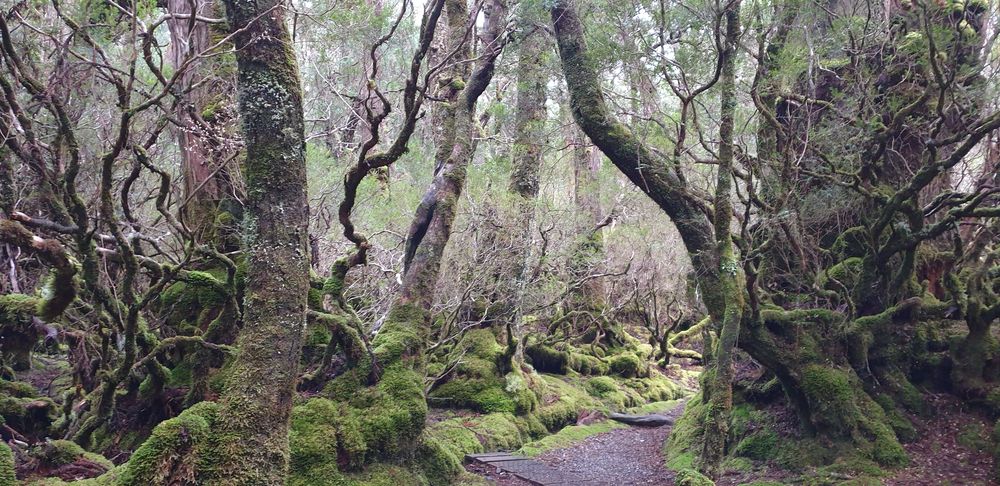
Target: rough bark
(252,431)
(431,226)
(529,128)
(200,114)
(589,251)
(718,391)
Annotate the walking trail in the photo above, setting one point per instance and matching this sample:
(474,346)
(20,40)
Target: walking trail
(952,448)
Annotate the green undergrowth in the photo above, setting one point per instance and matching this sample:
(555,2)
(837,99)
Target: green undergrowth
(352,434)
(756,441)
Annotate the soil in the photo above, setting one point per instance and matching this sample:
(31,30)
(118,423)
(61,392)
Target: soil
(952,447)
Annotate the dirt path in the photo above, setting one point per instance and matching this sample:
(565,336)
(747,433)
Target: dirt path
(631,456)
(952,448)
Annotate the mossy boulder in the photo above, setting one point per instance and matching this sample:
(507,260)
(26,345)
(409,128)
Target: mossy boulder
(179,447)
(24,410)
(629,365)
(546,359)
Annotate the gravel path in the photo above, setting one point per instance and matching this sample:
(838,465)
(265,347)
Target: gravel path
(632,456)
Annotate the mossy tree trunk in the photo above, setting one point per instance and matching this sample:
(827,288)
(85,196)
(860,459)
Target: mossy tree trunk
(718,389)
(529,133)
(588,253)
(431,226)
(252,432)
(658,177)
(202,112)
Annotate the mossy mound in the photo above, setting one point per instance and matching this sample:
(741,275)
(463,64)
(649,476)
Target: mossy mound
(754,441)
(356,424)
(194,300)
(477,382)
(840,406)
(7,477)
(24,410)
(179,447)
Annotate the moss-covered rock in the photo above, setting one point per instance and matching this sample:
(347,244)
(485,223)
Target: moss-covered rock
(24,410)
(179,447)
(628,365)
(546,359)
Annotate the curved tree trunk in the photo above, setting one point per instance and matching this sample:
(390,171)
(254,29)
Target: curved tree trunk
(659,178)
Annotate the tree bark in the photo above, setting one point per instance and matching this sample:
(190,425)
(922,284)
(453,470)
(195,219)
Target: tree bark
(200,113)
(253,424)
(718,391)
(529,126)
(431,226)
(651,172)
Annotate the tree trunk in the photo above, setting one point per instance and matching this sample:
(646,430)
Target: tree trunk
(649,171)
(529,126)
(718,390)
(201,114)
(252,430)
(431,227)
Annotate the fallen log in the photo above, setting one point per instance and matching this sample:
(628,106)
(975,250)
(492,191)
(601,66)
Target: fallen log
(651,420)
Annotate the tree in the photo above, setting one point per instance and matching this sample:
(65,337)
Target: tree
(252,430)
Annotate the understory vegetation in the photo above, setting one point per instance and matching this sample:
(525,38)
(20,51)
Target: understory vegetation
(350,242)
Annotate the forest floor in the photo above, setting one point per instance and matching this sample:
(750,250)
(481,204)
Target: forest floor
(952,449)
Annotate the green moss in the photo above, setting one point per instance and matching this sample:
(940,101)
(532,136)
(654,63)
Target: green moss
(601,386)
(974,437)
(628,365)
(655,407)
(840,406)
(735,465)
(761,445)
(684,442)
(847,273)
(587,364)
(18,389)
(567,437)
(852,242)
(547,360)
(177,447)
(60,452)
(691,477)
(7,476)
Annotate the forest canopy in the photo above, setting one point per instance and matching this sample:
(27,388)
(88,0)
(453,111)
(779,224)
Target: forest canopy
(359,242)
